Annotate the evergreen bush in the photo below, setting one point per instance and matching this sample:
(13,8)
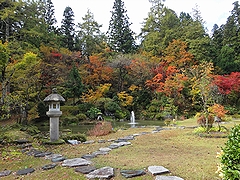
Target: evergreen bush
(230,159)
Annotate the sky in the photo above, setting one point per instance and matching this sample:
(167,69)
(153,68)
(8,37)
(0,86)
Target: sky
(212,11)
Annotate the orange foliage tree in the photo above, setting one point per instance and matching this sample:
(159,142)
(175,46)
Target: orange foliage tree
(96,72)
(218,110)
(169,77)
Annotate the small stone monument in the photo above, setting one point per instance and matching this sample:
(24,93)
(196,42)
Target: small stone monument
(54,113)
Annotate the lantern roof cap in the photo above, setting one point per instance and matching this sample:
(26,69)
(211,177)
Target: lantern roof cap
(54,97)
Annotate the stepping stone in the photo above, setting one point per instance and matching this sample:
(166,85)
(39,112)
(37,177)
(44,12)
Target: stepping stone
(100,153)
(144,133)
(132,173)
(111,140)
(102,173)
(88,142)
(156,170)
(105,149)
(73,142)
(88,156)
(168,178)
(124,143)
(58,159)
(23,146)
(5,173)
(113,146)
(134,135)
(85,169)
(124,139)
(25,171)
(101,141)
(22,141)
(52,156)
(76,162)
(119,144)
(43,154)
(32,152)
(49,166)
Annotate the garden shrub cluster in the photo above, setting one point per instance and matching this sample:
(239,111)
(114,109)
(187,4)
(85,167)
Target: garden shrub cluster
(229,169)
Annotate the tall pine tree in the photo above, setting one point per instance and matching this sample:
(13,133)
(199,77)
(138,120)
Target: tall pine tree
(120,36)
(50,18)
(90,37)
(67,29)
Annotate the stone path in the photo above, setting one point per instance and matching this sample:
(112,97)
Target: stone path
(84,164)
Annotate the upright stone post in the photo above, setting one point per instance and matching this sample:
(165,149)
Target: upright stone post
(54,113)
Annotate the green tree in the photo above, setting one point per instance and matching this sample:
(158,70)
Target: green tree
(90,37)
(74,87)
(193,32)
(159,28)
(9,19)
(50,18)
(225,41)
(68,29)
(120,36)
(25,83)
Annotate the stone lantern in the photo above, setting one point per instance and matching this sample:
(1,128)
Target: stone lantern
(53,100)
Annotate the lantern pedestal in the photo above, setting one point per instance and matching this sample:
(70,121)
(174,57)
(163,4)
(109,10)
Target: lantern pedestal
(54,124)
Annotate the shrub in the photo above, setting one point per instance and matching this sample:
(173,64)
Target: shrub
(199,130)
(202,121)
(81,117)
(230,157)
(69,110)
(101,129)
(93,112)
(159,116)
(78,137)
(69,120)
(167,122)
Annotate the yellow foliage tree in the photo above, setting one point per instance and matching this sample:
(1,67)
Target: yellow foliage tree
(92,96)
(125,99)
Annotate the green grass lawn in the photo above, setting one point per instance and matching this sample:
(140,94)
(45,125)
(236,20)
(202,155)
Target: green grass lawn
(185,154)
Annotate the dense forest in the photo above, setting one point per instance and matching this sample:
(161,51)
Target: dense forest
(177,69)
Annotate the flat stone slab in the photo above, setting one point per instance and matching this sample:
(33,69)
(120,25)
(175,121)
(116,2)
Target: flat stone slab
(22,141)
(88,156)
(119,144)
(124,143)
(101,141)
(96,153)
(102,173)
(51,156)
(49,166)
(33,152)
(156,170)
(89,142)
(73,142)
(42,154)
(168,178)
(132,173)
(85,169)
(5,173)
(105,149)
(58,159)
(25,171)
(23,146)
(76,162)
(125,139)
